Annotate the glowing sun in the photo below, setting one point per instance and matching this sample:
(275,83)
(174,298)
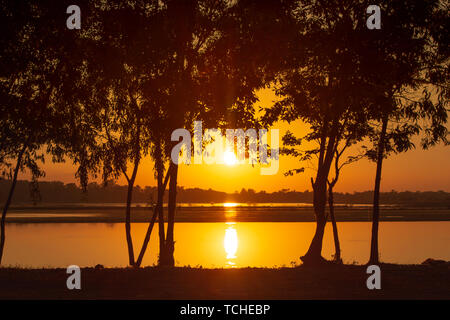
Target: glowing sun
(229,158)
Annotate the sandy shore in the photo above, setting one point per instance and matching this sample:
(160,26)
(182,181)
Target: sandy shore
(330,282)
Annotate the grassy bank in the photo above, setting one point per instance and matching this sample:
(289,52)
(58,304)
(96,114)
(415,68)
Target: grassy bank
(330,282)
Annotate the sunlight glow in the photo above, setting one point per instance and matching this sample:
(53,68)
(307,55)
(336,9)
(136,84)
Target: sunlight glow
(230,204)
(229,158)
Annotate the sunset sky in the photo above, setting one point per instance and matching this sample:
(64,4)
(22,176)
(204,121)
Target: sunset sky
(416,170)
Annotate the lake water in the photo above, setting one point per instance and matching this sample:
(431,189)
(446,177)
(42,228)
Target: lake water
(241,244)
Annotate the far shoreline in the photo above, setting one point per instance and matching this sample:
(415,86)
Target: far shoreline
(60,213)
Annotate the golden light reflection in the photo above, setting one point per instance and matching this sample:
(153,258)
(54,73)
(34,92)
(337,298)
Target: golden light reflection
(230,242)
(230,214)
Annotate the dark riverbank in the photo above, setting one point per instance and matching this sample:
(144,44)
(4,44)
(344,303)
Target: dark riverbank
(212,213)
(331,282)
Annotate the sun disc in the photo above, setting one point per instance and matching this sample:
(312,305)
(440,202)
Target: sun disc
(229,158)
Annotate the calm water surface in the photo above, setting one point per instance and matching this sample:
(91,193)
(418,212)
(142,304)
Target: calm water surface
(242,244)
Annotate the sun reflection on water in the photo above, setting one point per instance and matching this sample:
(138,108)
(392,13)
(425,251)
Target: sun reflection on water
(230,210)
(230,243)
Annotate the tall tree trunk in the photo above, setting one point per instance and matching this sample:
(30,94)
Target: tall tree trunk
(314,254)
(128,213)
(374,253)
(150,227)
(170,244)
(337,246)
(147,237)
(8,202)
(160,210)
(128,225)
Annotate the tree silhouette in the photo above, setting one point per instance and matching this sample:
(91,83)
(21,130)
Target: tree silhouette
(210,80)
(127,101)
(29,119)
(122,94)
(336,53)
(360,133)
(320,67)
(407,64)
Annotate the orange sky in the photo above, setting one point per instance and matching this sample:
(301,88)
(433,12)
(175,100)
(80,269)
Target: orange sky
(415,170)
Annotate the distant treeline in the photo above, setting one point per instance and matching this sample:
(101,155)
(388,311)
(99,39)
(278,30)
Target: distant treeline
(58,192)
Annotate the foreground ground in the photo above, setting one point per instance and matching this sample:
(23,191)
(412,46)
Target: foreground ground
(331,282)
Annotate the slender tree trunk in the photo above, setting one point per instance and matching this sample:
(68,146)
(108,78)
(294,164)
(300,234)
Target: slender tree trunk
(159,166)
(170,244)
(128,225)
(8,202)
(147,237)
(128,213)
(131,180)
(337,246)
(150,227)
(374,253)
(160,210)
